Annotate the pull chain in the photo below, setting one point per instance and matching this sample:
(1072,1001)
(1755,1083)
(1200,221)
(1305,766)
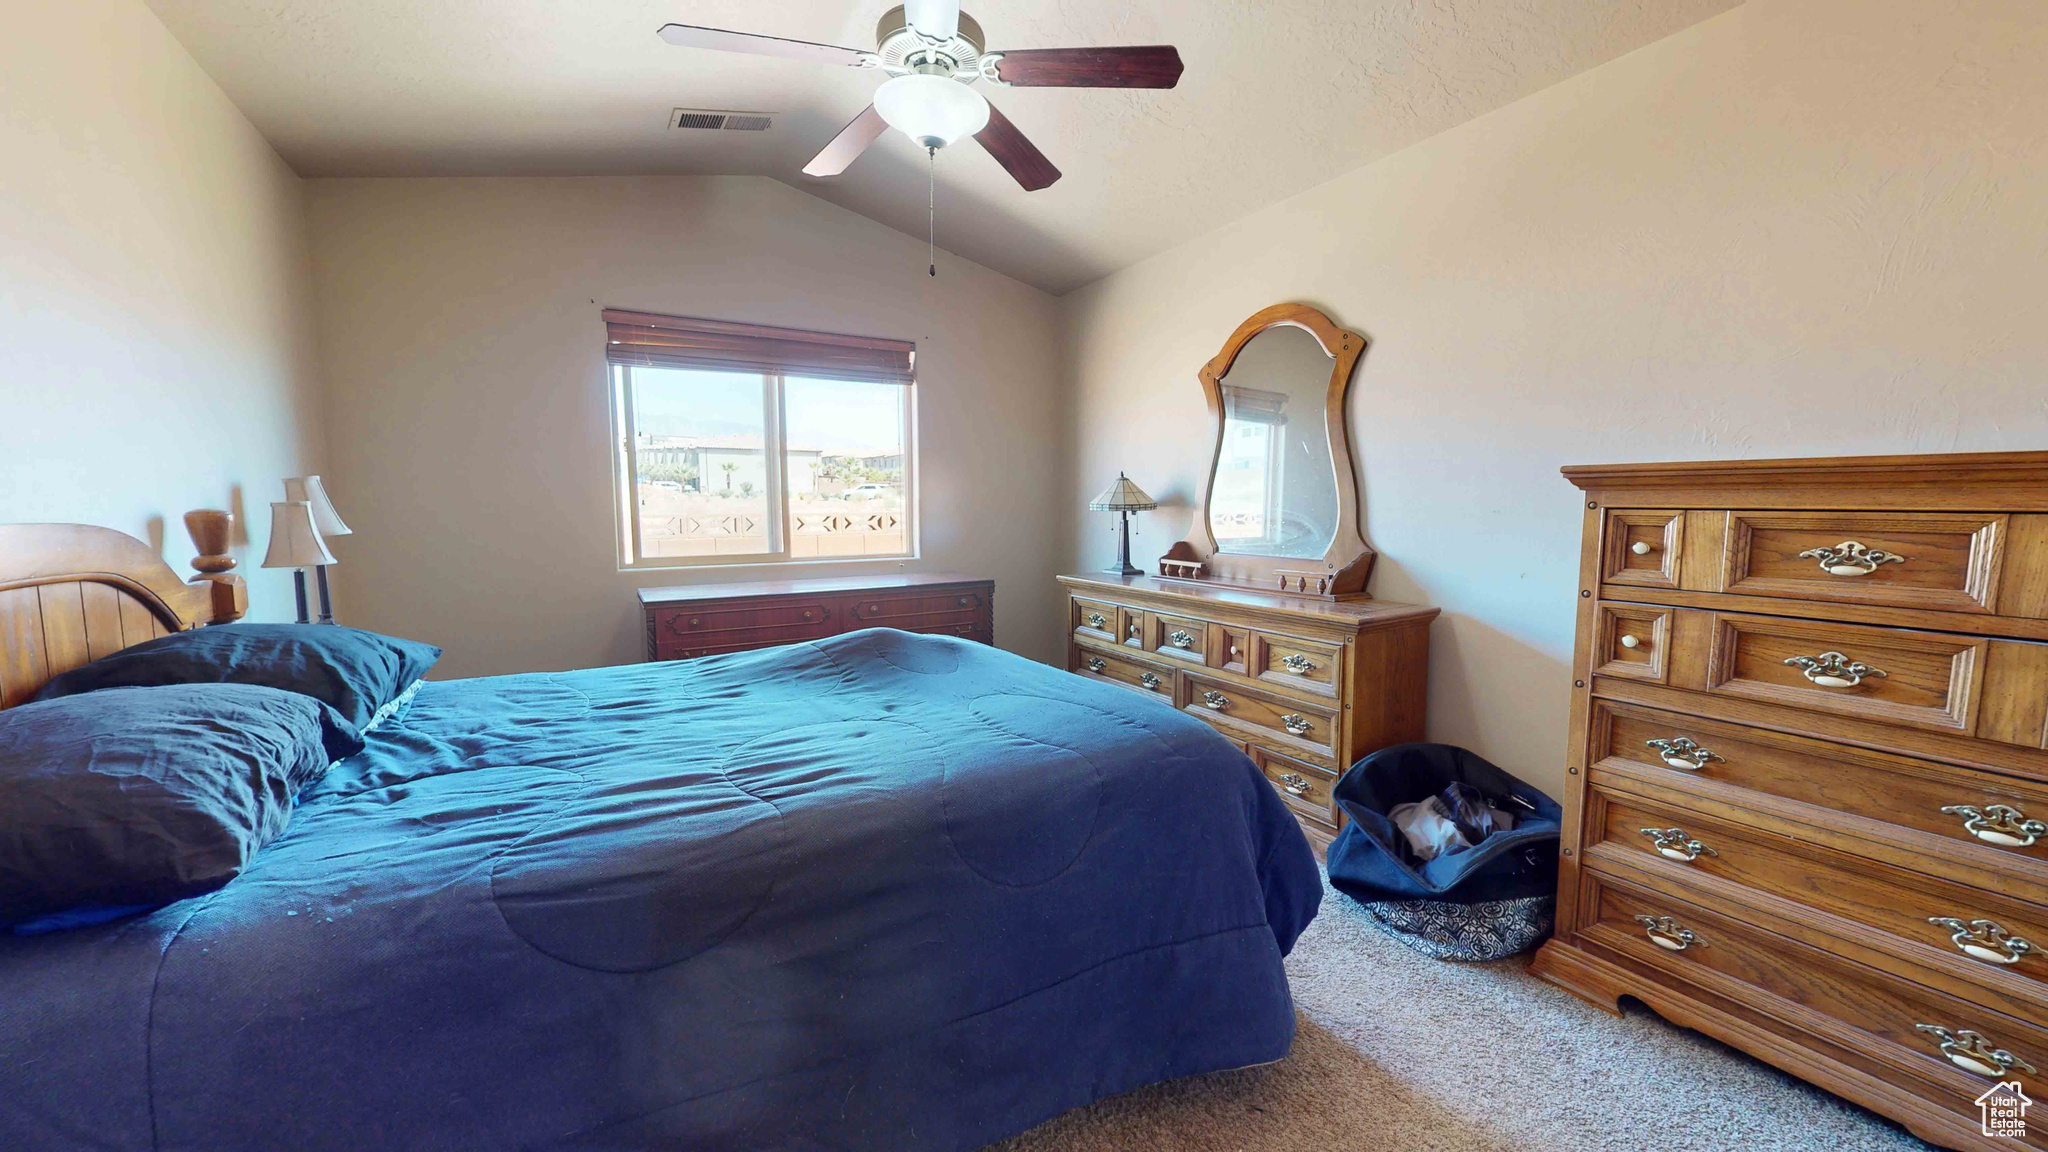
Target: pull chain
(932,208)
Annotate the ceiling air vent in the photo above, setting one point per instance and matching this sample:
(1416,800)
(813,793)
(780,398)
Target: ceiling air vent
(720,121)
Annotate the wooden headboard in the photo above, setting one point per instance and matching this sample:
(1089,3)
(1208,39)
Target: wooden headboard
(72,593)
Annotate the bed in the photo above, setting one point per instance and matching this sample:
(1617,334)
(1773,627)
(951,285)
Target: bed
(881,891)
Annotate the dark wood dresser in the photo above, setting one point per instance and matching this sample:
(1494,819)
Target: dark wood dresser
(1304,686)
(1807,784)
(706,619)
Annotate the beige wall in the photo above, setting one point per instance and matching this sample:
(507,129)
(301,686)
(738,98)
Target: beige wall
(1806,227)
(464,360)
(156,348)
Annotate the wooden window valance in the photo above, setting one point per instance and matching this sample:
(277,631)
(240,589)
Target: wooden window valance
(649,340)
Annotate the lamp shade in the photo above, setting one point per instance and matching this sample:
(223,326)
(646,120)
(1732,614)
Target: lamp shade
(1122,496)
(932,110)
(294,540)
(310,490)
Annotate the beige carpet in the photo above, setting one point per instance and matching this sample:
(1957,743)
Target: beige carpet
(1396,1052)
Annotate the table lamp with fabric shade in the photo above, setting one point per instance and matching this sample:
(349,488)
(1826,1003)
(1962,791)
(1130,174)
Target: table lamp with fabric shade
(311,491)
(295,543)
(1123,498)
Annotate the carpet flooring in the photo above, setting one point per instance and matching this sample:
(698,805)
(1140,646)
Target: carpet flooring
(1395,1051)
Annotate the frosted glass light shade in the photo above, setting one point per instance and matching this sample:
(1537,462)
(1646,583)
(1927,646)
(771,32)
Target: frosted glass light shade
(294,541)
(310,490)
(932,110)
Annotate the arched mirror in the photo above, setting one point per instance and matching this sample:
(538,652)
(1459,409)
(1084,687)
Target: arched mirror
(1274,491)
(1279,506)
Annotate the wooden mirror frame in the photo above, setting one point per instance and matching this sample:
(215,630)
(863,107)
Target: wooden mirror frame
(1342,571)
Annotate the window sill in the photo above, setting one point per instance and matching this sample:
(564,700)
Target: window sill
(807,562)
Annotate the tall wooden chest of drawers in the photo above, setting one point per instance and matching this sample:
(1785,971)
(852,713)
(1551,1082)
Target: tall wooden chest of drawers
(706,619)
(1304,686)
(1807,805)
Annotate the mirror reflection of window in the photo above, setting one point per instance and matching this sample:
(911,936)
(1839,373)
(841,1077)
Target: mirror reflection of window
(1244,504)
(1274,492)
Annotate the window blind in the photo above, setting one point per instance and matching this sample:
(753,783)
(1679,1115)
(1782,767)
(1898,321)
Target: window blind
(645,339)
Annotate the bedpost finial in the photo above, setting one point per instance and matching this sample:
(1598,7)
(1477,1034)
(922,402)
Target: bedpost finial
(210,529)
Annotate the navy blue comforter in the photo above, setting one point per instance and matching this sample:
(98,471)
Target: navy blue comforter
(880,892)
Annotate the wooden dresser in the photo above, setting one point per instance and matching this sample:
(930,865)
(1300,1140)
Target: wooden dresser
(706,619)
(1808,790)
(1304,686)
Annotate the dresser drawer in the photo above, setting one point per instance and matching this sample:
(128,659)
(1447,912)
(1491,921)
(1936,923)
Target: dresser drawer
(1881,1012)
(966,630)
(1933,798)
(1928,560)
(1093,618)
(772,622)
(1301,664)
(1972,922)
(1922,679)
(1129,673)
(1643,548)
(1180,637)
(1294,724)
(906,610)
(1309,790)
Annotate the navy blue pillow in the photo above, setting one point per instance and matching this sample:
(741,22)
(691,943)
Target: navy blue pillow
(141,796)
(354,671)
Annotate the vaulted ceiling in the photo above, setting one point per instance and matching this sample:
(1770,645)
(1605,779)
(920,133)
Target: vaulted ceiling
(1279,95)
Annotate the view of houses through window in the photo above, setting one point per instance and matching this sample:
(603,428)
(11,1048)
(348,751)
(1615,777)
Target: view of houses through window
(733,467)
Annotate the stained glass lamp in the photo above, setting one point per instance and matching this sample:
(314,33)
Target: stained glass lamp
(1123,498)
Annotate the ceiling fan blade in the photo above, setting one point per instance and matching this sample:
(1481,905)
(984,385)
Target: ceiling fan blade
(846,147)
(1018,155)
(938,19)
(1150,66)
(690,36)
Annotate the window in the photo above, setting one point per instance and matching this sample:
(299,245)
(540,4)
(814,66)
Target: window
(1244,499)
(740,444)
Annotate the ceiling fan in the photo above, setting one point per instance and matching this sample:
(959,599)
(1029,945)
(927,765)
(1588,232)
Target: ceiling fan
(933,53)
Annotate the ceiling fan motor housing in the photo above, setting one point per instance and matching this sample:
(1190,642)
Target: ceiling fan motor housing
(903,51)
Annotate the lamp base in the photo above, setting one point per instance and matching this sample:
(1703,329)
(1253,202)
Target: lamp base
(326,603)
(1123,565)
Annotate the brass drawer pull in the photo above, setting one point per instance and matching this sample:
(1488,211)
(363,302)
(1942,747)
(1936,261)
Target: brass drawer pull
(1668,934)
(1097,663)
(1971,1052)
(1985,940)
(1297,784)
(1149,680)
(1297,724)
(1097,620)
(1999,824)
(1851,558)
(1680,752)
(1834,670)
(1295,662)
(1180,639)
(1216,700)
(809,614)
(1675,843)
(967,601)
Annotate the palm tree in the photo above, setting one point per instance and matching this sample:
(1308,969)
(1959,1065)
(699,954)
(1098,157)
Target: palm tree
(728,468)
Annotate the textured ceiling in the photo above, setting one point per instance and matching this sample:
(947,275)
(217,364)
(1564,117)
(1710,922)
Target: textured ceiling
(1279,96)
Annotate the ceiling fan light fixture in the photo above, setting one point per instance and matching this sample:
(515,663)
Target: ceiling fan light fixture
(932,110)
